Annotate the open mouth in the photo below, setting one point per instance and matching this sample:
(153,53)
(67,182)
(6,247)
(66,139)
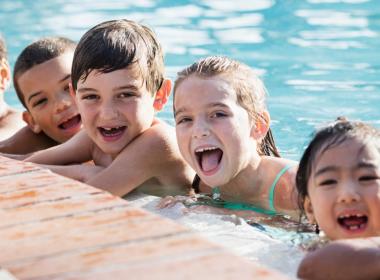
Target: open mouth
(209,158)
(353,222)
(112,132)
(70,123)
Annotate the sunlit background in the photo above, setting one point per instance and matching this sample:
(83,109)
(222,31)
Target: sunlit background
(319,59)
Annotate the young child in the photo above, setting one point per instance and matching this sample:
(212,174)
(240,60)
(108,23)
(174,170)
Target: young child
(41,80)
(118,84)
(10,118)
(222,128)
(338,182)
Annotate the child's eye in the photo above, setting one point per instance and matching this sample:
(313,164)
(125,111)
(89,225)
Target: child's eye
(126,94)
(366,178)
(218,114)
(328,182)
(90,97)
(183,120)
(39,102)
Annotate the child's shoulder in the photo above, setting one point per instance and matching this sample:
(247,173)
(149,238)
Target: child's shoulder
(281,183)
(160,135)
(277,165)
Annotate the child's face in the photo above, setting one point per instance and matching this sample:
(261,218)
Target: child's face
(115,107)
(213,130)
(344,191)
(45,88)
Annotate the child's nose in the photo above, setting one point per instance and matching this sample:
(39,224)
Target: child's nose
(109,112)
(349,193)
(64,103)
(200,129)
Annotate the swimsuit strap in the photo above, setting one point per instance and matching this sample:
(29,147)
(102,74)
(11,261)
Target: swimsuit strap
(215,193)
(273,186)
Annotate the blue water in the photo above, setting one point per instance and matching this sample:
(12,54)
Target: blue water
(318,58)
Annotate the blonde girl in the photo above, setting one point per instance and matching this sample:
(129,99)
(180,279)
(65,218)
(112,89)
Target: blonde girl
(222,128)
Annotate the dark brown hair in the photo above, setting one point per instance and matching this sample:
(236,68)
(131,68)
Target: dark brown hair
(37,53)
(117,44)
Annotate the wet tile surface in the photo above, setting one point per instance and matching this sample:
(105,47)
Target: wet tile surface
(52,227)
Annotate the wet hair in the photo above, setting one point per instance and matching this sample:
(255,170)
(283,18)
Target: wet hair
(118,44)
(250,90)
(330,136)
(3,49)
(37,53)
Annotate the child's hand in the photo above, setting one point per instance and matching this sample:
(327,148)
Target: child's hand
(170,201)
(343,259)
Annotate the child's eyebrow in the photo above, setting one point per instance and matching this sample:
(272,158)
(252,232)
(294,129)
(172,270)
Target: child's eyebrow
(218,104)
(176,112)
(86,90)
(366,164)
(126,87)
(214,104)
(34,95)
(65,78)
(324,170)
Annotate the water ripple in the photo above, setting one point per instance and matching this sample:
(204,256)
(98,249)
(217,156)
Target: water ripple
(239,5)
(232,22)
(331,18)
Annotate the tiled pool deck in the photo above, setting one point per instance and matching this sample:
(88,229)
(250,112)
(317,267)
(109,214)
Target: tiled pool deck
(52,227)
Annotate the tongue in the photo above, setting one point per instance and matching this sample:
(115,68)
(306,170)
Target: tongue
(354,221)
(71,122)
(210,159)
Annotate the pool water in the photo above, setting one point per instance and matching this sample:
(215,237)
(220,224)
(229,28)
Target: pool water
(319,59)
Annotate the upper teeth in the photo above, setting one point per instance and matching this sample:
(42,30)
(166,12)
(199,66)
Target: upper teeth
(110,128)
(348,215)
(200,150)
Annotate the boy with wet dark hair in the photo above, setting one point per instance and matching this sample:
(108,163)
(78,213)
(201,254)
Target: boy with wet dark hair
(118,84)
(41,80)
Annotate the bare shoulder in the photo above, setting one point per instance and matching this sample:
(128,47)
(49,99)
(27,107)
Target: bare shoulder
(159,139)
(154,156)
(284,169)
(283,180)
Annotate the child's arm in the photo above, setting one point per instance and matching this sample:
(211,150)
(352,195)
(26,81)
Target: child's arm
(80,172)
(78,149)
(25,141)
(343,259)
(132,167)
(152,155)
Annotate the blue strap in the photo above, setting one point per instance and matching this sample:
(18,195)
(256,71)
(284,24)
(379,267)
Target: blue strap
(273,186)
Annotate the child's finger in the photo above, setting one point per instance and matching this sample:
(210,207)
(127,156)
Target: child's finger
(164,202)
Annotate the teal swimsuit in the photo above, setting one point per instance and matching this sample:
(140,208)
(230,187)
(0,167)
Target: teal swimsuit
(244,206)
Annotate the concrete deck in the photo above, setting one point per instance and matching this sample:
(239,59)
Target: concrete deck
(52,227)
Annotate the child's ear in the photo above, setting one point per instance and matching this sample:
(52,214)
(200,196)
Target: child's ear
(261,125)
(162,95)
(309,210)
(5,74)
(28,118)
(72,91)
